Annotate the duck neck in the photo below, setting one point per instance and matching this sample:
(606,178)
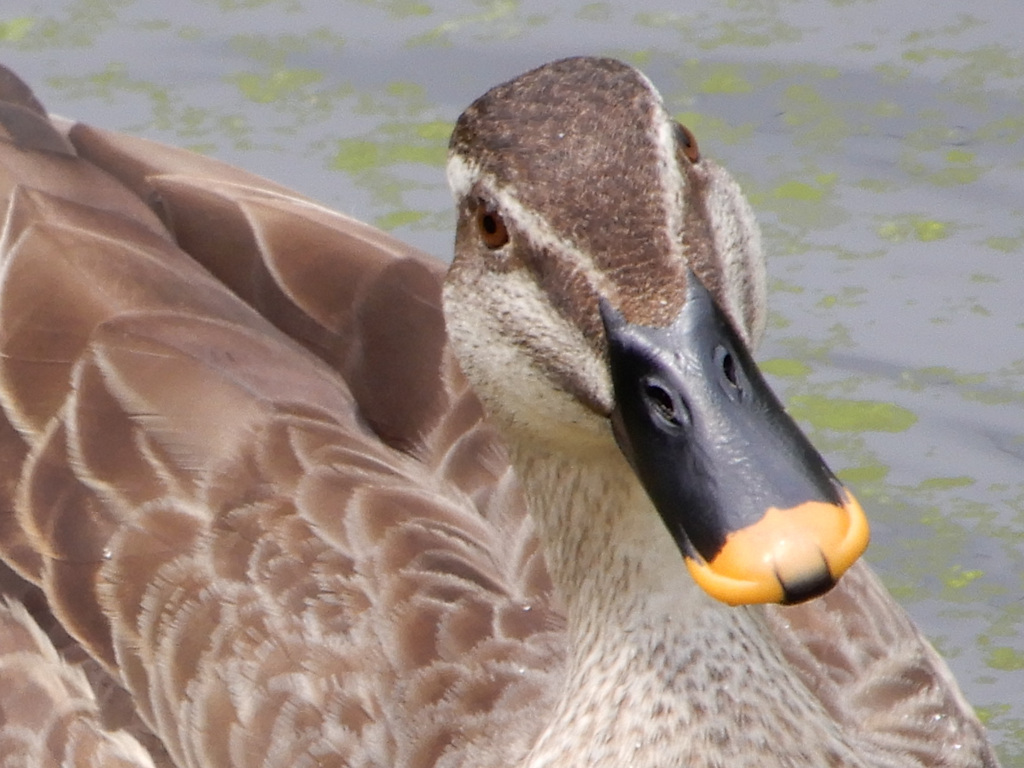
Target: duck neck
(659,674)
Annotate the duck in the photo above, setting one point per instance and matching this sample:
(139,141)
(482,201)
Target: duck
(280,490)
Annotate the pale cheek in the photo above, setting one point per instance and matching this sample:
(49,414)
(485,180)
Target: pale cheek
(505,340)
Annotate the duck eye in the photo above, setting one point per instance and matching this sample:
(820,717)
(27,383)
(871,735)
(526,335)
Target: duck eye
(687,142)
(491,226)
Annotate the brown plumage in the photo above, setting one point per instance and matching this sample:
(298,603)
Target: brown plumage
(256,516)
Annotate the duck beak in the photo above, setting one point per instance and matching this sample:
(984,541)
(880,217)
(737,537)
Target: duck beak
(758,516)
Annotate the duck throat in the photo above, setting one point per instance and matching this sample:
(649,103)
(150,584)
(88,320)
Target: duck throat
(659,674)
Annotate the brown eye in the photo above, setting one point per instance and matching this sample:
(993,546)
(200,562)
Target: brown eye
(491,226)
(687,142)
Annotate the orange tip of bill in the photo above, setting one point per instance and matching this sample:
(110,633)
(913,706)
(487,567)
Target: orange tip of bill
(787,556)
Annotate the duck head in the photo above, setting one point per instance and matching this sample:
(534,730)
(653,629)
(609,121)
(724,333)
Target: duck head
(607,287)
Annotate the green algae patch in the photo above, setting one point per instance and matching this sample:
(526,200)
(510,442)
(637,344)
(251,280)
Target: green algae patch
(406,153)
(867,475)
(927,230)
(1004,658)
(958,578)
(355,155)
(435,130)
(801,204)
(778,285)
(945,483)
(17,29)
(959,156)
(400,219)
(798,190)
(903,228)
(954,176)
(924,55)
(277,86)
(724,80)
(787,367)
(1005,244)
(843,415)
(417,143)
(847,297)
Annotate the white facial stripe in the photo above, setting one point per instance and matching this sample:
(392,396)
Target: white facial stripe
(737,240)
(673,183)
(463,175)
(545,331)
(541,236)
